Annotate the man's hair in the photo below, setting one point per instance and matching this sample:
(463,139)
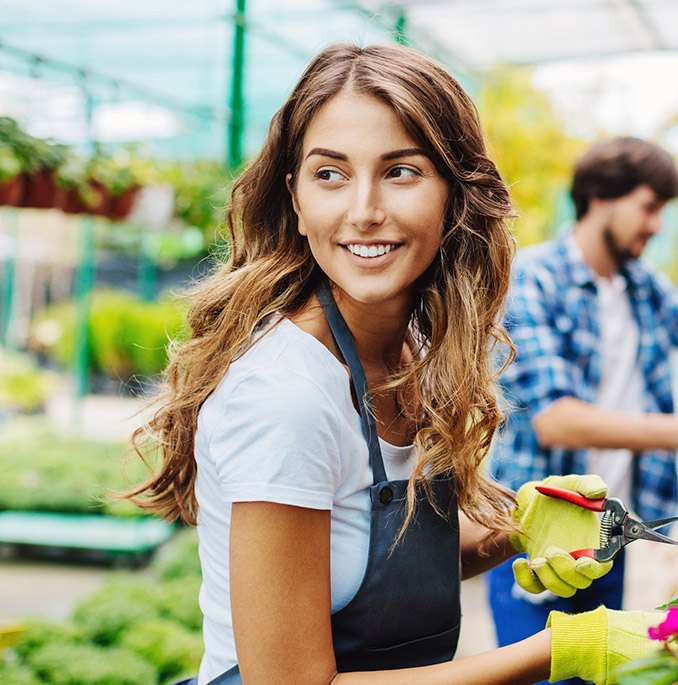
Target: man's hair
(616,167)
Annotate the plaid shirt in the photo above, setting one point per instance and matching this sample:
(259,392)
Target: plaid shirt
(553,321)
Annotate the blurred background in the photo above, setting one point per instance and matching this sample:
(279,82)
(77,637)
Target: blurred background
(122,125)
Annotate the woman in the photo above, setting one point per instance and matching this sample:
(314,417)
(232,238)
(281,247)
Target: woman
(369,249)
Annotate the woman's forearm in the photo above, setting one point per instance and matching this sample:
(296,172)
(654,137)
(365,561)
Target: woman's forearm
(521,663)
(497,548)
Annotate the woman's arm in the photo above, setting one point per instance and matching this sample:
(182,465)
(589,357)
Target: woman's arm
(471,534)
(280,596)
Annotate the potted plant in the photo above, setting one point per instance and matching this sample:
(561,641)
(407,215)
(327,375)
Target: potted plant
(79,195)
(41,189)
(11,181)
(120,175)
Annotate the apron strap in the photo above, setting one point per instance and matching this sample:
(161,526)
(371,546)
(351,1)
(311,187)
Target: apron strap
(344,339)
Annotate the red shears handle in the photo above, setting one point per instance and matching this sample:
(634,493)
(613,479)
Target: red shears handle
(573,497)
(579,500)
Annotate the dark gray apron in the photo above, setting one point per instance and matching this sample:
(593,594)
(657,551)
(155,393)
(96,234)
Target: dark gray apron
(406,612)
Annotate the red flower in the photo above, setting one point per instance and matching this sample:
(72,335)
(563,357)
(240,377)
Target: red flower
(667,629)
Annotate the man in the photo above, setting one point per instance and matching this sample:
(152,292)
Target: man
(590,390)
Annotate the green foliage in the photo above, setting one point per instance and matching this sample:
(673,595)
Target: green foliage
(39,633)
(117,606)
(10,164)
(530,148)
(671,603)
(87,664)
(659,669)
(127,335)
(173,650)
(132,631)
(22,385)
(46,471)
(179,601)
(179,560)
(201,194)
(18,674)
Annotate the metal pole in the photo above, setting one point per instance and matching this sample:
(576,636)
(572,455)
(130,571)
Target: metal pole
(400,28)
(83,296)
(8,277)
(237,122)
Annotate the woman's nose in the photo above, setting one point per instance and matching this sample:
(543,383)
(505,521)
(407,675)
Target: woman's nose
(366,206)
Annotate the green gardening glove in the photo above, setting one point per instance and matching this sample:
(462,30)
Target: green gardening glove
(550,529)
(595,644)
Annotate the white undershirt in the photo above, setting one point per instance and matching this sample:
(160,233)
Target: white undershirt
(621,385)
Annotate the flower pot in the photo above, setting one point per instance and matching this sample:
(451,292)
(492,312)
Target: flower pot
(40,190)
(11,191)
(97,203)
(121,205)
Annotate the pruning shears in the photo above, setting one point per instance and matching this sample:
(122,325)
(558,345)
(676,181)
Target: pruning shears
(617,527)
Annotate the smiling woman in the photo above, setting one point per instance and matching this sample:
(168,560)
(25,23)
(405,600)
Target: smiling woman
(327,420)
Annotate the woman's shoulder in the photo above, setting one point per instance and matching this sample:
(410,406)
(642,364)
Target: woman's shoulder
(283,363)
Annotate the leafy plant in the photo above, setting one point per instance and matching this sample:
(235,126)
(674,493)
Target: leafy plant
(127,335)
(10,164)
(172,649)
(22,385)
(87,664)
(45,471)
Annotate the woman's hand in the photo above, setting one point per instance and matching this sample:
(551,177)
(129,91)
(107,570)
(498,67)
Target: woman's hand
(593,645)
(551,528)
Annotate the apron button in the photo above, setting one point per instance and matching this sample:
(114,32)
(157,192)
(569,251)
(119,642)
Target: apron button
(386,495)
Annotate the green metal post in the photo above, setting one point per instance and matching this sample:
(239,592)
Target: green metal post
(236,125)
(85,279)
(400,28)
(147,280)
(8,276)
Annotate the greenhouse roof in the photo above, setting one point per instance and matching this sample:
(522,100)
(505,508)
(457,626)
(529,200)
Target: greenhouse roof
(161,69)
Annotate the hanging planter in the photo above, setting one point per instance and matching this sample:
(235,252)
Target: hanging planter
(121,205)
(11,180)
(41,190)
(11,191)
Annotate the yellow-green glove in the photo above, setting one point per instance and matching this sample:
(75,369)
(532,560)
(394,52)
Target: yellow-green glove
(595,644)
(551,528)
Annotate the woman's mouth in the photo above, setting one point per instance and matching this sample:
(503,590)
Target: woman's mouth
(370,251)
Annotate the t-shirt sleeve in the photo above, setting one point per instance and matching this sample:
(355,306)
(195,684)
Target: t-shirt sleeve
(542,371)
(276,439)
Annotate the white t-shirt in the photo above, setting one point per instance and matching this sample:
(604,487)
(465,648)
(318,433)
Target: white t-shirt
(281,427)
(621,385)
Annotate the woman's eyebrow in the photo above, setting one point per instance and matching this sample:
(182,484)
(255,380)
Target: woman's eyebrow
(395,154)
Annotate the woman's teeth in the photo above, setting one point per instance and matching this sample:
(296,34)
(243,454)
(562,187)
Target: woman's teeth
(370,250)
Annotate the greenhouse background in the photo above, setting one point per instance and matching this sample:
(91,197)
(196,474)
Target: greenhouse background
(137,116)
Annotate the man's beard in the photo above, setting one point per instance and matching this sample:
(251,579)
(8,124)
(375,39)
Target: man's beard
(619,253)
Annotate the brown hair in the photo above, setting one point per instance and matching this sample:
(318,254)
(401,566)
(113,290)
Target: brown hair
(271,269)
(616,167)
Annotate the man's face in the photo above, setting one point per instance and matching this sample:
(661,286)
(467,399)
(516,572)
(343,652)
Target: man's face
(631,221)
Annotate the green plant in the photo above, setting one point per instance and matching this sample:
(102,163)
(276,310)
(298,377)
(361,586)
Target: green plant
(21,143)
(10,164)
(40,632)
(179,560)
(172,649)
(22,385)
(18,674)
(127,335)
(87,664)
(45,471)
(104,616)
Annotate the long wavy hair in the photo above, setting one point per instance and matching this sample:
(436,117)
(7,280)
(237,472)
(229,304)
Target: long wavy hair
(271,270)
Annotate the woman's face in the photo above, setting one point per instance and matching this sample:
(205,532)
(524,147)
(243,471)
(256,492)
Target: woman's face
(369,200)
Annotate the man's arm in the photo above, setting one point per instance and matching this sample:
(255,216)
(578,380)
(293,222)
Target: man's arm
(570,422)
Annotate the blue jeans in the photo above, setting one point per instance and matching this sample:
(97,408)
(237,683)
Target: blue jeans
(515,617)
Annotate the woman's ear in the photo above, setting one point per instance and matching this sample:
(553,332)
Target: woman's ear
(290,187)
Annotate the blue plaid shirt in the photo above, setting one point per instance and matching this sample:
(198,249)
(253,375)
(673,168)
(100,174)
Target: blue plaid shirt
(552,318)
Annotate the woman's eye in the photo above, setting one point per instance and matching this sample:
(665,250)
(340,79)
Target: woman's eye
(402,172)
(328,175)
